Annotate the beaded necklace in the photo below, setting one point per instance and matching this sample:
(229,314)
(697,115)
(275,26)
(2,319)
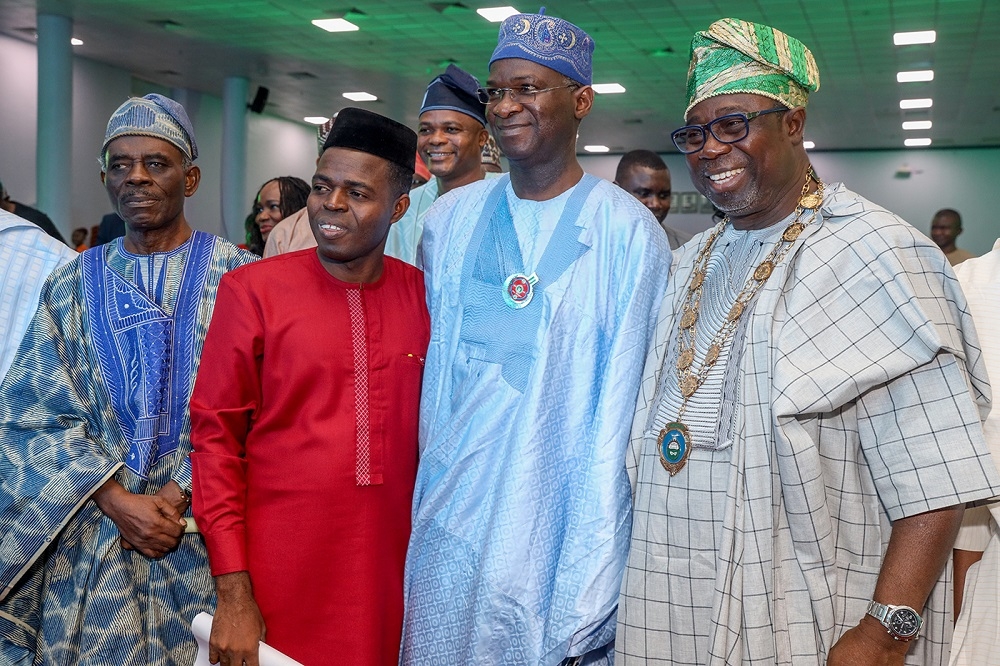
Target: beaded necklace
(674,442)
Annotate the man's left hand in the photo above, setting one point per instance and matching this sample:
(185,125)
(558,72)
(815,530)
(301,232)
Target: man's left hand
(173,494)
(868,644)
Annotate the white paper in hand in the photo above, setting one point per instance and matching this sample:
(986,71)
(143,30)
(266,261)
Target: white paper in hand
(202,628)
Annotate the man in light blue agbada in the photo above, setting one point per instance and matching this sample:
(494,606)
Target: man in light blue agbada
(541,288)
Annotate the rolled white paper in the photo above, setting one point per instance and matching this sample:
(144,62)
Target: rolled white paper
(201,626)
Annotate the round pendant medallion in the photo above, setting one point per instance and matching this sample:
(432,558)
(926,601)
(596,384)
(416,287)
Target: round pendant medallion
(763,271)
(712,355)
(518,290)
(673,447)
(812,200)
(735,311)
(689,318)
(792,232)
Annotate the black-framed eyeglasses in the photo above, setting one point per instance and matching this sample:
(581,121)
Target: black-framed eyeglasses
(518,95)
(730,128)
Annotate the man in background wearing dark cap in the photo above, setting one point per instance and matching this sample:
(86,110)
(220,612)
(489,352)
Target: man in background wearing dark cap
(805,438)
(98,565)
(304,420)
(541,287)
(450,139)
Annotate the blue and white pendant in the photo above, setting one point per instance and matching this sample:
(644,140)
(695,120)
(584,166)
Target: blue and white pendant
(674,445)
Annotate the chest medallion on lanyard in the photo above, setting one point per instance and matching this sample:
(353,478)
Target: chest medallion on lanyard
(518,290)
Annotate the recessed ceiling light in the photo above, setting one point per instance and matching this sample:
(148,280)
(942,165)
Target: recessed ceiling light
(920,37)
(316,120)
(922,103)
(608,88)
(335,25)
(496,14)
(597,149)
(915,143)
(917,124)
(76,42)
(808,145)
(916,75)
(360,97)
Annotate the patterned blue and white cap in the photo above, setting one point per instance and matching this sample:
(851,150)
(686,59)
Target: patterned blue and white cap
(549,41)
(153,115)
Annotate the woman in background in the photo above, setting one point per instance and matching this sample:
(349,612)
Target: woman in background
(276,199)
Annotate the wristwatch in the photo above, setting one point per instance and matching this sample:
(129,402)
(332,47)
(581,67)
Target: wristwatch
(902,622)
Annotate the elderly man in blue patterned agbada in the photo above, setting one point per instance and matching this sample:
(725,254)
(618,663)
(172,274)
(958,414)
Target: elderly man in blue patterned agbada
(541,288)
(807,431)
(99,562)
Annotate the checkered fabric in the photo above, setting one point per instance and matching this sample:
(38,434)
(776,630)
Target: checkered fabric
(853,410)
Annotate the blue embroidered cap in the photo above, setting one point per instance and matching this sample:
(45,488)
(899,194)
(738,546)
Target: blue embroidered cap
(455,90)
(153,115)
(549,41)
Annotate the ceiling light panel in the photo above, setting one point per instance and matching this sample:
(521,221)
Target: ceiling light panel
(335,25)
(496,14)
(919,37)
(915,76)
(608,88)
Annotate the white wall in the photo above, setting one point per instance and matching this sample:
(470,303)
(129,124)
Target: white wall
(276,147)
(959,178)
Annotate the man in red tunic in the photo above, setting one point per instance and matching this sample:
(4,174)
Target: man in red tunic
(304,420)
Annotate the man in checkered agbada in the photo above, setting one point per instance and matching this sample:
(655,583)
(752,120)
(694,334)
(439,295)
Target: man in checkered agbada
(808,429)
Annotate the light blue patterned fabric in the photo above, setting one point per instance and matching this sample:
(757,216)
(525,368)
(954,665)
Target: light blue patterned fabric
(522,501)
(69,592)
(27,256)
(404,235)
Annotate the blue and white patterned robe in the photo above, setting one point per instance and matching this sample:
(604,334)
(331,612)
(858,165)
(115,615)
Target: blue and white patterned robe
(70,593)
(521,510)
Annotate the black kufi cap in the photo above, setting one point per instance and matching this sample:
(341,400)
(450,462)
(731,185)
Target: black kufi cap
(371,133)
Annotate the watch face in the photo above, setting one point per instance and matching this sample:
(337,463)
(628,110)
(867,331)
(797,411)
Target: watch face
(904,622)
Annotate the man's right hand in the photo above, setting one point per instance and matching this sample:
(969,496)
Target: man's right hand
(238,626)
(148,523)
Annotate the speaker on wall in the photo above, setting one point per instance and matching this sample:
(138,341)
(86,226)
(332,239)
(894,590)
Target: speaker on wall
(259,100)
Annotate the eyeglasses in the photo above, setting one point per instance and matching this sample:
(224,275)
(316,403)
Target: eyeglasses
(518,95)
(726,129)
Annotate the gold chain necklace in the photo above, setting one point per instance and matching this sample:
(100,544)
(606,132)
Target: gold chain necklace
(674,442)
